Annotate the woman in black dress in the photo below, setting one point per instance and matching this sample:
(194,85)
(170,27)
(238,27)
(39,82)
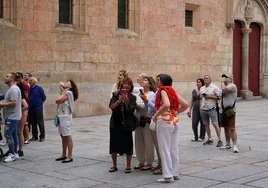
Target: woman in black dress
(196,117)
(122,104)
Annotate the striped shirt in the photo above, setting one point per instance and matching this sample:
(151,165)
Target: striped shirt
(212,90)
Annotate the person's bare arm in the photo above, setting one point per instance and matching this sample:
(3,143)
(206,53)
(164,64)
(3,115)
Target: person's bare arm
(8,104)
(183,104)
(61,98)
(165,106)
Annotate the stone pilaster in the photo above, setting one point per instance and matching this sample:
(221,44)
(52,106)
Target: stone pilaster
(245,92)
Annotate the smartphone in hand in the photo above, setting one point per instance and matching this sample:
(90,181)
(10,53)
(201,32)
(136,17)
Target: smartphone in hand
(141,92)
(204,94)
(123,92)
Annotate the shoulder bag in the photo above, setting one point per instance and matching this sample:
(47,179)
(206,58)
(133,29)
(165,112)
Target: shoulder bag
(229,110)
(56,118)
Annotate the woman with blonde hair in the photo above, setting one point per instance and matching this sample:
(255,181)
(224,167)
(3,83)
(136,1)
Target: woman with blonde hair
(120,77)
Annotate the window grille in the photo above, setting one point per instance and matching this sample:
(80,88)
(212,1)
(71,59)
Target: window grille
(65,11)
(1,8)
(123,14)
(188,18)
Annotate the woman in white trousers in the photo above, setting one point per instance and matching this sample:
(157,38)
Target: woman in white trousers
(168,104)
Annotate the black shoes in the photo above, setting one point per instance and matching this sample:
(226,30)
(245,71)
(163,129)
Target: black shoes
(219,144)
(41,139)
(6,154)
(20,153)
(67,161)
(33,139)
(60,159)
(208,142)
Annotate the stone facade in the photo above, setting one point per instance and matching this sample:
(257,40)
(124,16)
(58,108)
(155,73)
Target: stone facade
(92,50)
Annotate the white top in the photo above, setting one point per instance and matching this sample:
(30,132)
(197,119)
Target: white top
(212,89)
(230,97)
(66,108)
(141,108)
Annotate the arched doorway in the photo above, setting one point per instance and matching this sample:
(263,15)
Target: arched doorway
(237,55)
(254,58)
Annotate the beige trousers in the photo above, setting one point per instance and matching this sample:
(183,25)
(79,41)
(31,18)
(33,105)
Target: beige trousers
(144,145)
(153,133)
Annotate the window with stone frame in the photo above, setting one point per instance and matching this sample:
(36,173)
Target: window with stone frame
(1,8)
(123,15)
(65,11)
(192,18)
(8,12)
(188,18)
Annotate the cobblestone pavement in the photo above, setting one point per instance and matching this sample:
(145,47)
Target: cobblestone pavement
(200,166)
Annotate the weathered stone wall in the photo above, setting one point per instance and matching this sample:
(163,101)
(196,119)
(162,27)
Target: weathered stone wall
(93,50)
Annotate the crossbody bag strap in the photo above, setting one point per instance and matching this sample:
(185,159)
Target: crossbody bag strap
(222,101)
(234,104)
(57,111)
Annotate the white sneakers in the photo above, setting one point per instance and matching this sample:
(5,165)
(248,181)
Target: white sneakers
(228,146)
(236,149)
(225,147)
(11,157)
(168,180)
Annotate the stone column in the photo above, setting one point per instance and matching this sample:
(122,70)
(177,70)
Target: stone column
(245,92)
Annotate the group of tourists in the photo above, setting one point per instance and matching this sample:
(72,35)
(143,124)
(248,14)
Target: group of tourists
(156,106)
(150,110)
(22,106)
(22,109)
(209,103)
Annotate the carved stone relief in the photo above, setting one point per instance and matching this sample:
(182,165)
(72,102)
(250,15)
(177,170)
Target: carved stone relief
(249,12)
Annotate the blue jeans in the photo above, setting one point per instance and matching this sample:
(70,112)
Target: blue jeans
(11,135)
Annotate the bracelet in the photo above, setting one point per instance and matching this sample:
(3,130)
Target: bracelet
(117,102)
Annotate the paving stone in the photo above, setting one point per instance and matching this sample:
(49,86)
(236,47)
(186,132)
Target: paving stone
(252,178)
(232,172)
(200,166)
(259,183)
(224,185)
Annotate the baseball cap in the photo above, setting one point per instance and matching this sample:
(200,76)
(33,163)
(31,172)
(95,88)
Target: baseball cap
(227,76)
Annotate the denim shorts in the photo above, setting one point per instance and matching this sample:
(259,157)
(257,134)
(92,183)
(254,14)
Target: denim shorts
(209,114)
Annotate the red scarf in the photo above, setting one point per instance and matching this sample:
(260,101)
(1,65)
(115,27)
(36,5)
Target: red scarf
(172,96)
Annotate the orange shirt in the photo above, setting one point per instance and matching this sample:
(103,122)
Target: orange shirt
(170,117)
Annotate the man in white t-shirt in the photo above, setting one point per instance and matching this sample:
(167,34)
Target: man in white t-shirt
(12,114)
(208,110)
(229,96)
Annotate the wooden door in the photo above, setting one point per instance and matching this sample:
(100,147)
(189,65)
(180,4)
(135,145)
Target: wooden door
(254,58)
(237,56)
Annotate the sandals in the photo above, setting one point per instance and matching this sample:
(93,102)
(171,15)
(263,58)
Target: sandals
(155,168)
(157,172)
(141,165)
(113,169)
(128,170)
(147,167)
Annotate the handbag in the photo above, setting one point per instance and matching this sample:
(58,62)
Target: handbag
(142,121)
(56,121)
(229,110)
(56,118)
(130,122)
(152,126)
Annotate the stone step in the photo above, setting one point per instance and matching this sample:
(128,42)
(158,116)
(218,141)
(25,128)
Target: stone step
(253,98)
